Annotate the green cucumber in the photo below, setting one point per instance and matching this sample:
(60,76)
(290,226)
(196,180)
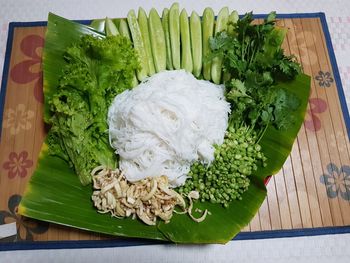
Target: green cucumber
(98,24)
(157,40)
(138,45)
(110,29)
(208,30)
(143,23)
(165,23)
(221,25)
(124,31)
(174,29)
(232,21)
(116,21)
(186,55)
(196,43)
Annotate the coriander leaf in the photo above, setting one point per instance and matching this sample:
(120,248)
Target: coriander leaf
(271,17)
(254,59)
(237,90)
(284,106)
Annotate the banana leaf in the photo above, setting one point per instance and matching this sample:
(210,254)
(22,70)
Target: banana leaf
(277,145)
(55,194)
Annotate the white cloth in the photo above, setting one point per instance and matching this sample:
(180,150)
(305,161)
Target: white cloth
(316,249)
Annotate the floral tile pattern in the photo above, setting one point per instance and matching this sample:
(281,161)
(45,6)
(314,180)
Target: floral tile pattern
(312,120)
(17,164)
(324,79)
(18,119)
(30,69)
(307,55)
(25,227)
(337,181)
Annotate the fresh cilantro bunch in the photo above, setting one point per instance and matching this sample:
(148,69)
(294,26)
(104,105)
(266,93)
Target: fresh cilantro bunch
(253,62)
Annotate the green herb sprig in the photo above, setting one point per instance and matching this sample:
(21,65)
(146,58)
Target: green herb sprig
(253,61)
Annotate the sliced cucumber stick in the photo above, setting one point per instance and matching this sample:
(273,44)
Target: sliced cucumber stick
(221,25)
(186,55)
(143,23)
(124,31)
(98,24)
(207,32)
(157,40)
(111,29)
(196,43)
(232,20)
(165,23)
(116,21)
(138,45)
(174,29)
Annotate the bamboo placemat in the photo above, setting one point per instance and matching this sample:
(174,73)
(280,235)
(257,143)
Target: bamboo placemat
(311,192)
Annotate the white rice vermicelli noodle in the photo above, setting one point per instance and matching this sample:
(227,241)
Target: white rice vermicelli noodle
(165,124)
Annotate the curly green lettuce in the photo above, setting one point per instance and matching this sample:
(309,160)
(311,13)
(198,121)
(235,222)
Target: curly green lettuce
(96,71)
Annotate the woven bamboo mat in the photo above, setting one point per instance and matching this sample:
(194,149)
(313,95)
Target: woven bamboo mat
(311,191)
